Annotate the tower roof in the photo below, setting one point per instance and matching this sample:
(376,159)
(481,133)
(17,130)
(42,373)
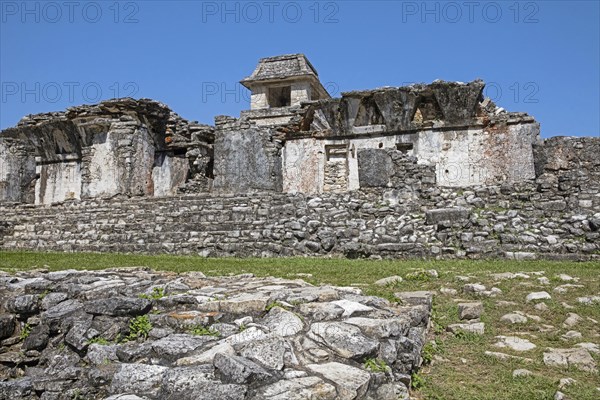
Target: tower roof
(281,67)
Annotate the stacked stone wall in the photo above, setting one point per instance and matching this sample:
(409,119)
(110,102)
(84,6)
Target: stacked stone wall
(515,221)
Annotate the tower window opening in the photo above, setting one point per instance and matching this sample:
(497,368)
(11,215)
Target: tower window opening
(280,96)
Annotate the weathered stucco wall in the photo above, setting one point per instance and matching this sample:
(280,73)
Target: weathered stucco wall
(169,173)
(477,156)
(462,158)
(112,148)
(302,166)
(138,148)
(58,181)
(450,125)
(246,158)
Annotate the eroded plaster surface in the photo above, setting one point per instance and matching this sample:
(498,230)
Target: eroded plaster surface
(294,138)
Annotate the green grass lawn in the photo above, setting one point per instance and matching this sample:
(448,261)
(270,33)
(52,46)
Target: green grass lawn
(459,370)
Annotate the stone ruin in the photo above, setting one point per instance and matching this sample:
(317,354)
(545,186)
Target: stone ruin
(135,334)
(427,171)
(294,139)
(423,170)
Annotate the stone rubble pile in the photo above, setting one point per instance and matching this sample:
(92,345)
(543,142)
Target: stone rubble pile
(139,334)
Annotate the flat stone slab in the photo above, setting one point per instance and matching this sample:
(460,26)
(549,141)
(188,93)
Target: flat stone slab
(118,306)
(390,280)
(381,328)
(352,382)
(504,356)
(268,352)
(579,358)
(204,338)
(298,389)
(514,343)
(420,297)
(138,378)
(207,356)
(589,300)
(346,340)
(513,318)
(456,214)
(283,322)
(351,307)
(477,328)
(536,296)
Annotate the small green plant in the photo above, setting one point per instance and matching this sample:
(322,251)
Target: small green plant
(25,332)
(274,304)
(201,330)
(419,276)
(417,381)
(76,395)
(43,294)
(157,293)
(438,326)
(429,351)
(242,328)
(99,340)
(139,327)
(467,336)
(375,365)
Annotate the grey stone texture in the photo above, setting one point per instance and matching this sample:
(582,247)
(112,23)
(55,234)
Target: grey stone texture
(282,353)
(247,158)
(486,222)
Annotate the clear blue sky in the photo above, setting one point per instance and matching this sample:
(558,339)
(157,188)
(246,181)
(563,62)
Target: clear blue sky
(541,57)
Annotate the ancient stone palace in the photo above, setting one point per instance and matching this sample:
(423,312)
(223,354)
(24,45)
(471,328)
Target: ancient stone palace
(302,173)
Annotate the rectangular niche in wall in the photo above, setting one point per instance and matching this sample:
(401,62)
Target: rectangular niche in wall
(336,168)
(280,96)
(336,152)
(404,147)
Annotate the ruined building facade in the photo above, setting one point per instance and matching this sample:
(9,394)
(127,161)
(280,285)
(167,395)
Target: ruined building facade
(420,148)
(294,139)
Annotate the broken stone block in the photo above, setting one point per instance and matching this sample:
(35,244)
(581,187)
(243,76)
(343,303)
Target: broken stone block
(416,298)
(352,382)
(7,325)
(477,328)
(470,310)
(578,357)
(345,339)
(138,378)
(239,369)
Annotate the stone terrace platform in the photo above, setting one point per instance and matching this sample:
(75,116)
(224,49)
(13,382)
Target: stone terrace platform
(138,334)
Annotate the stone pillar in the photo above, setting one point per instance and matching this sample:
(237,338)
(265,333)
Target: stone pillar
(17,171)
